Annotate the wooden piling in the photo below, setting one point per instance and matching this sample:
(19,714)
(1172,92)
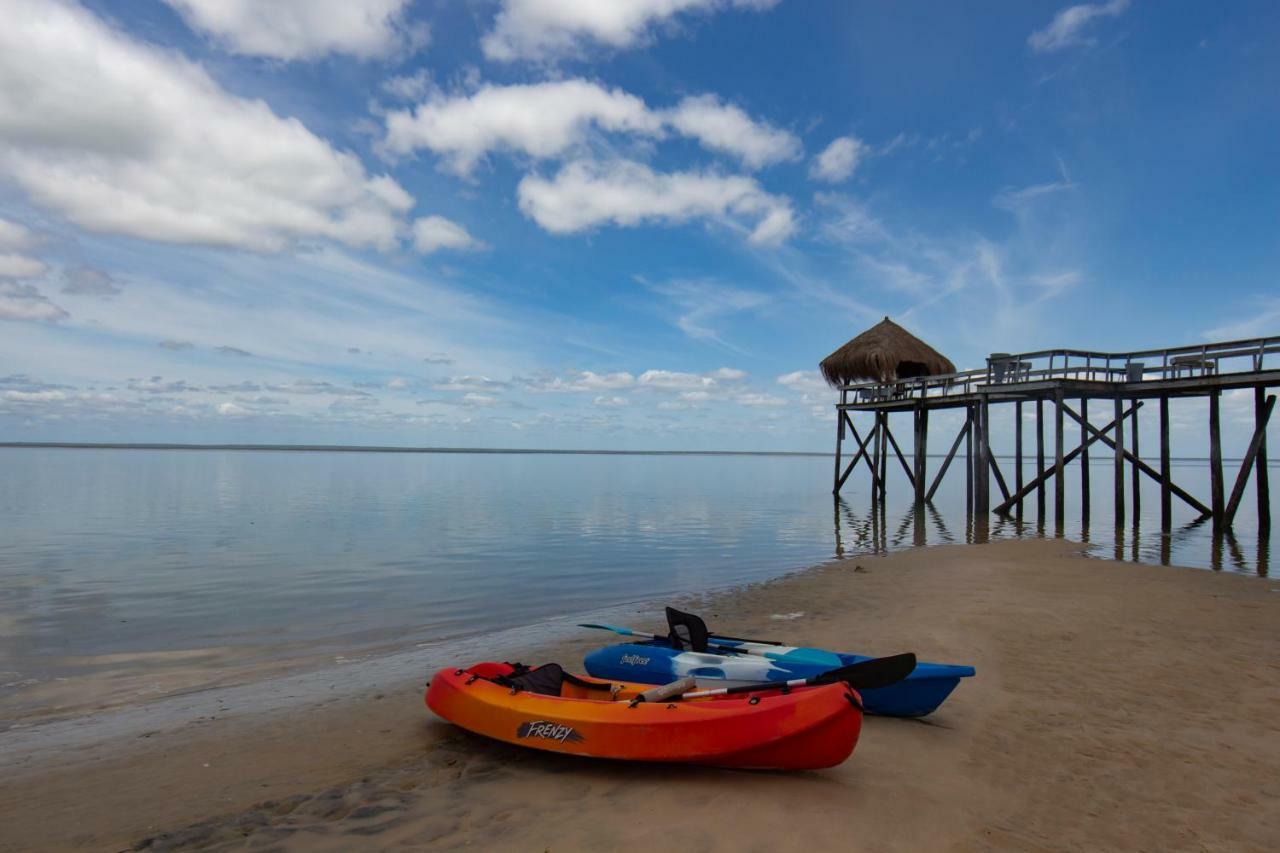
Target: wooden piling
(968,459)
(835,482)
(1166,496)
(921,451)
(1059,481)
(1119,472)
(884,457)
(983,474)
(1040,457)
(1261,481)
(1017,454)
(1215,459)
(875,458)
(1136,472)
(1084,462)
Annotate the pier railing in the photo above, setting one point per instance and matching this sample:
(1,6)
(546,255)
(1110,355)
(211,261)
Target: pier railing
(1013,369)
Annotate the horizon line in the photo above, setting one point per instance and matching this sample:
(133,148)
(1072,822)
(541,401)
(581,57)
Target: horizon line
(391,448)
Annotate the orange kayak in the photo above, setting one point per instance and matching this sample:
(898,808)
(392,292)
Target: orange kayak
(804,729)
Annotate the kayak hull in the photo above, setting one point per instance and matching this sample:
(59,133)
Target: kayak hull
(806,729)
(656,662)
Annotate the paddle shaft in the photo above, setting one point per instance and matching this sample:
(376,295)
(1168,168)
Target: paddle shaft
(869,674)
(711,641)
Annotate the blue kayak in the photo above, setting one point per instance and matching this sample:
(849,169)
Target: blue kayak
(717,661)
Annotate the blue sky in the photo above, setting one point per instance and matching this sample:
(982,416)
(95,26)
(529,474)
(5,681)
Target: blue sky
(639,224)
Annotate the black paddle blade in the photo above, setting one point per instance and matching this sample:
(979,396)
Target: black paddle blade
(870,674)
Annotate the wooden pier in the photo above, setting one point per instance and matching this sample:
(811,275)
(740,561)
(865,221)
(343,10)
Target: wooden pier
(1100,395)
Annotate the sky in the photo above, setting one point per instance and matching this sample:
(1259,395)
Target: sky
(634,225)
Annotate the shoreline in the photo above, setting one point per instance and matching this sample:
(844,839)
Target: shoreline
(365,760)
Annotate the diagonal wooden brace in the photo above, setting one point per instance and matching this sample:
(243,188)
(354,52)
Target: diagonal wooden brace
(1242,479)
(1047,473)
(1142,466)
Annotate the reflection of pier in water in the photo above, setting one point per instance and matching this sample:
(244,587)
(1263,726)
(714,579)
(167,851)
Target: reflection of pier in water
(870,532)
(1066,382)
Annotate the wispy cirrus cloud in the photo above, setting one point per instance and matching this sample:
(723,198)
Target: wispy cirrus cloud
(1070,27)
(700,303)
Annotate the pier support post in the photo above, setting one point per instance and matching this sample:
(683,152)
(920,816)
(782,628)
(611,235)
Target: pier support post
(1119,485)
(983,473)
(1260,466)
(877,434)
(921,449)
(1017,454)
(884,456)
(1215,459)
(968,459)
(1040,458)
(1084,462)
(1166,502)
(1059,482)
(836,482)
(1136,472)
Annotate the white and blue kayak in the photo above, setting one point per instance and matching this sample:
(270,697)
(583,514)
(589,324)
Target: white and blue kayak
(689,650)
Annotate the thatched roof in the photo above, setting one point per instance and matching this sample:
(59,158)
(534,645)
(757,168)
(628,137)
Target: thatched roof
(884,353)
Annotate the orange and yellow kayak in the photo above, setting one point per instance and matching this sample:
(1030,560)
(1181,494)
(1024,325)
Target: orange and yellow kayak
(803,729)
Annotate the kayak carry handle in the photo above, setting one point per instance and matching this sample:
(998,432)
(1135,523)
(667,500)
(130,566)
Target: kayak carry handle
(665,691)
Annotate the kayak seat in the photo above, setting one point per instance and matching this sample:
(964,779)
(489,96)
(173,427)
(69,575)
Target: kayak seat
(687,631)
(548,680)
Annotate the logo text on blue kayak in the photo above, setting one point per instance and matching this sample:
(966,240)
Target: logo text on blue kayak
(633,660)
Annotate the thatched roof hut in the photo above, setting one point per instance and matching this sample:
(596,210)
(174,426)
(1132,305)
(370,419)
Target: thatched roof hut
(884,353)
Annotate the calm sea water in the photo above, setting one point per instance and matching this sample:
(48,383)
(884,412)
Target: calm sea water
(110,557)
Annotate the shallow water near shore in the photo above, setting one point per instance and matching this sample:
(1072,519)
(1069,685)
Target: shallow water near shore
(133,574)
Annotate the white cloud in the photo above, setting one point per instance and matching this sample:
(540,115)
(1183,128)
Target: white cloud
(545,120)
(546,29)
(160,151)
(611,402)
(20,266)
(90,281)
(432,233)
(1018,199)
(673,380)
(702,302)
(24,302)
(726,128)
(1068,27)
(471,383)
(760,400)
(232,410)
(540,120)
(34,396)
(839,160)
(582,380)
(399,383)
(1262,317)
(15,236)
(808,381)
(303,29)
(587,194)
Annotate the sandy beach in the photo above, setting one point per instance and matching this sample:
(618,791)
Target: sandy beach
(1117,707)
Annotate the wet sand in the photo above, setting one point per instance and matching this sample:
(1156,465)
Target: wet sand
(1117,706)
